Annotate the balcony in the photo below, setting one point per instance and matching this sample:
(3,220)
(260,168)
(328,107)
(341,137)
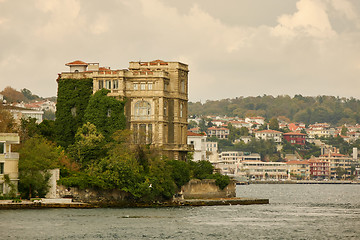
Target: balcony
(12,155)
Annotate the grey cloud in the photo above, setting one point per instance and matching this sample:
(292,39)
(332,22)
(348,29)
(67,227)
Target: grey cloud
(231,48)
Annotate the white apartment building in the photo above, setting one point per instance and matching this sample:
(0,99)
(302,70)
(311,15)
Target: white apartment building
(221,133)
(212,151)
(259,170)
(276,136)
(198,141)
(24,113)
(229,162)
(258,120)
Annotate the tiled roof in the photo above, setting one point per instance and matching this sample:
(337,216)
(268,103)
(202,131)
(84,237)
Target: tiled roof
(76,63)
(294,133)
(195,134)
(268,131)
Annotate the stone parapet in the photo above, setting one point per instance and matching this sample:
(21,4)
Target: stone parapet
(206,189)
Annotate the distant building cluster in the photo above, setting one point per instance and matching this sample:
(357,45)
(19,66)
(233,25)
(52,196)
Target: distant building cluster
(30,110)
(297,133)
(329,165)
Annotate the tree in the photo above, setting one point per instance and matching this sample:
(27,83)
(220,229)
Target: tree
(340,172)
(274,124)
(11,95)
(192,124)
(244,131)
(28,94)
(37,156)
(344,131)
(202,125)
(180,172)
(28,129)
(234,132)
(7,122)
(201,169)
(47,129)
(89,146)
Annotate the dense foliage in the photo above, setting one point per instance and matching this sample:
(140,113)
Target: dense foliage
(106,113)
(138,170)
(309,110)
(73,99)
(37,156)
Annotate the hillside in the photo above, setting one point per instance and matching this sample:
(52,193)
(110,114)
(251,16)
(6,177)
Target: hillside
(12,95)
(308,110)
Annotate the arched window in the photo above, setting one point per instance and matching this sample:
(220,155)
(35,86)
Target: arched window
(142,109)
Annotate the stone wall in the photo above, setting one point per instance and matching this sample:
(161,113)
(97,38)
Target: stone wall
(205,189)
(99,197)
(195,189)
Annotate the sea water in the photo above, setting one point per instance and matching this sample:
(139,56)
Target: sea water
(295,212)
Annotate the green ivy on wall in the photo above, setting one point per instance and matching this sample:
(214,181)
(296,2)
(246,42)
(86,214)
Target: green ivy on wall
(73,98)
(106,113)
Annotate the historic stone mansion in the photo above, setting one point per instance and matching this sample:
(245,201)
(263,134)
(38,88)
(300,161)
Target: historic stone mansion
(157,99)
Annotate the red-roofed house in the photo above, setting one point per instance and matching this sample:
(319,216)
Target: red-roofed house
(295,138)
(195,130)
(77,66)
(296,127)
(299,169)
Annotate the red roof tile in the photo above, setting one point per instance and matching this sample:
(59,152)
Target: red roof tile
(195,134)
(77,63)
(294,133)
(268,131)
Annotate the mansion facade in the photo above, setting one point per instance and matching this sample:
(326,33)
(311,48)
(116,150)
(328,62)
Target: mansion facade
(156,96)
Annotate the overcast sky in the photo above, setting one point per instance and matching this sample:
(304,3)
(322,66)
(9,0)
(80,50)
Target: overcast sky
(233,47)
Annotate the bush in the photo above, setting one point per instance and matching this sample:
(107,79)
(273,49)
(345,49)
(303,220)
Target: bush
(221,180)
(201,169)
(180,172)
